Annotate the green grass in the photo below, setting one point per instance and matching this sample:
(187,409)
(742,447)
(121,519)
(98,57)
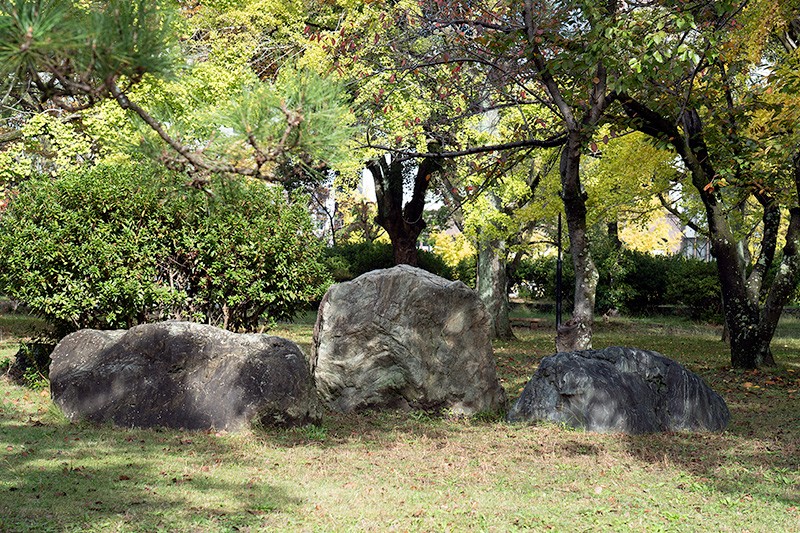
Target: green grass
(15,327)
(388,471)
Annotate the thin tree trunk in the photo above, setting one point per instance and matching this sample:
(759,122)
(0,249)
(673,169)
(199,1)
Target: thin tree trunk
(576,333)
(492,286)
(613,234)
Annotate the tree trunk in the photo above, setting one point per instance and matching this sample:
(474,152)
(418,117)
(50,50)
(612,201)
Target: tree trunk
(751,326)
(576,333)
(404,245)
(402,224)
(613,235)
(492,286)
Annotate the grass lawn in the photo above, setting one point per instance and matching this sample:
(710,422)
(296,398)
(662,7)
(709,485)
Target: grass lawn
(390,471)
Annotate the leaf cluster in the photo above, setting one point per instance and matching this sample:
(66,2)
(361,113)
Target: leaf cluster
(199,106)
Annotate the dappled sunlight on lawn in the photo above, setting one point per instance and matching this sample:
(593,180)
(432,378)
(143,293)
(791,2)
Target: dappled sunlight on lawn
(374,470)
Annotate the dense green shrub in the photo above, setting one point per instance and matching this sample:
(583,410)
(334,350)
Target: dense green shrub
(466,270)
(535,277)
(348,261)
(648,278)
(434,263)
(114,246)
(634,282)
(31,363)
(695,283)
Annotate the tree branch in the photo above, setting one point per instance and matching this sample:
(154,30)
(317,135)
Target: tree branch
(185,152)
(685,221)
(469,22)
(10,136)
(552,142)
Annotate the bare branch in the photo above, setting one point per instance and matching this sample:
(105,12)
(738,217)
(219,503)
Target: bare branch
(477,23)
(552,142)
(685,221)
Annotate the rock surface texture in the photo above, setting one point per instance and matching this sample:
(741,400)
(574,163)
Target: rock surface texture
(619,390)
(182,375)
(405,338)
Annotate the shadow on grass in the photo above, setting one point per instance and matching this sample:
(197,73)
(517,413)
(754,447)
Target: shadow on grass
(57,476)
(729,465)
(148,479)
(757,457)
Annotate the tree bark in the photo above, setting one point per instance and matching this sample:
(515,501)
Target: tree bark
(492,286)
(403,224)
(492,282)
(576,333)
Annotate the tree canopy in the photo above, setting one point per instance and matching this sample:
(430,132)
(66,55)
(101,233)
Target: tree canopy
(481,101)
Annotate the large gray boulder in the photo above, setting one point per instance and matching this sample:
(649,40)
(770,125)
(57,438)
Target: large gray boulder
(619,390)
(405,338)
(182,375)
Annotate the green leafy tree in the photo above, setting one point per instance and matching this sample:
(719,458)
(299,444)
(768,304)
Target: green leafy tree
(549,71)
(729,113)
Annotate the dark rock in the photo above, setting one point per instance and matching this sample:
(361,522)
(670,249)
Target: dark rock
(619,390)
(182,375)
(403,337)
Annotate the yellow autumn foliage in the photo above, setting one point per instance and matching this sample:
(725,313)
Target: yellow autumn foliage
(452,248)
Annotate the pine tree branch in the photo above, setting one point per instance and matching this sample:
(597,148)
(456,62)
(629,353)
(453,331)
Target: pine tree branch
(194,158)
